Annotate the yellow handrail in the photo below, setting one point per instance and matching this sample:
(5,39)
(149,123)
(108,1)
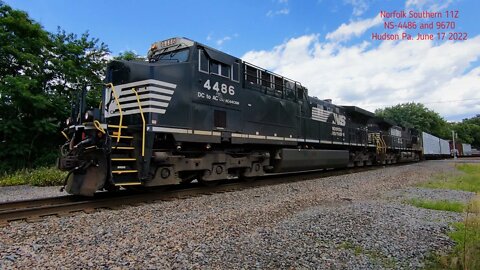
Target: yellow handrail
(381,145)
(98,126)
(143,120)
(65,135)
(384,144)
(119,110)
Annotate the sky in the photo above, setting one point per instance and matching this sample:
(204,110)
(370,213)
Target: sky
(326,45)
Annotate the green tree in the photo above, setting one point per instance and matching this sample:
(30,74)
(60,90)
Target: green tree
(39,74)
(474,120)
(129,55)
(416,115)
(469,130)
(79,62)
(23,106)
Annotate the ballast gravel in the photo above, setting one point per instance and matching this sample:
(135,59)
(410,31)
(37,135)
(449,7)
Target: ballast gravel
(431,194)
(24,192)
(355,221)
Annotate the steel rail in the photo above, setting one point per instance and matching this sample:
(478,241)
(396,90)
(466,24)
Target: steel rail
(34,210)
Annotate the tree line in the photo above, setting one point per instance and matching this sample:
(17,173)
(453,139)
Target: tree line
(42,73)
(416,115)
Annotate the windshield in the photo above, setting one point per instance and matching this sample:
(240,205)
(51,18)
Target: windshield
(171,57)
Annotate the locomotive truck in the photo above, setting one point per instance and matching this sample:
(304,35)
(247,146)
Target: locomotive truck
(193,112)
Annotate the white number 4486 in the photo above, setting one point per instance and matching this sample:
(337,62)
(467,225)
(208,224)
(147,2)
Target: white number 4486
(223,88)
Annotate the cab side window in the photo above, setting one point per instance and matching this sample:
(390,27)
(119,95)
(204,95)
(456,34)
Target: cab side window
(214,67)
(225,70)
(235,69)
(202,61)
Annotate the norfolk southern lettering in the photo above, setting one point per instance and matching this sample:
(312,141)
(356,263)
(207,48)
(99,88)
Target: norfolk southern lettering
(410,14)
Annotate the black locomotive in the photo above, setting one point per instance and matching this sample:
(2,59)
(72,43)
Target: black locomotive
(193,112)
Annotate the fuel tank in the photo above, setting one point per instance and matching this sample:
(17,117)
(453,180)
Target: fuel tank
(288,160)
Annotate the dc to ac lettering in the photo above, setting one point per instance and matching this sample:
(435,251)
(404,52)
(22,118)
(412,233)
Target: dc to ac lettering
(217,98)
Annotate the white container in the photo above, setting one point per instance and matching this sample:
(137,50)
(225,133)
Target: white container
(431,144)
(444,148)
(467,149)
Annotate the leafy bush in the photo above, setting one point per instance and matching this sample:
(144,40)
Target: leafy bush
(14,179)
(44,176)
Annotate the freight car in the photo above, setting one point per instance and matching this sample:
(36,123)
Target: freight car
(434,147)
(193,112)
(460,149)
(467,149)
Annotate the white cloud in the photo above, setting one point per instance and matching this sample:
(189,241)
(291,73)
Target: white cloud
(108,57)
(356,28)
(222,40)
(377,76)
(359,6)
(431,5)
(283,11)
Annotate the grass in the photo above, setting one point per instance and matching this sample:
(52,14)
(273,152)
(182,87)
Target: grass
(468,181)
(442,205)
(466,234)
(44,176)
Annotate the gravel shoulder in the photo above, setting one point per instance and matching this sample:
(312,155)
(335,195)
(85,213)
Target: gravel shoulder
(25,192)
(356,221)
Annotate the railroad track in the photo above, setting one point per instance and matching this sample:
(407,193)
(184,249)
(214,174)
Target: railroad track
(35,210)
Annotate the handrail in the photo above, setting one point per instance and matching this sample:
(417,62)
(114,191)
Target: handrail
(143,120)
(65,135)
(260,80)
(381,144)
(384,145)
(377,142)
(119,133)
(98,126)
(270,72)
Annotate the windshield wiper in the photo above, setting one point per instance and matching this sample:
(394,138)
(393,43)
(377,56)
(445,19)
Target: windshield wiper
(172,59)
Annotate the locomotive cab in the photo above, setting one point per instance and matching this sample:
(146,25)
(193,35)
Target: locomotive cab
(138,93)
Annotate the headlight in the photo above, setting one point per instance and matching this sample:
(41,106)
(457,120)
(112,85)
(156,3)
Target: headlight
(88,116)
(68,121)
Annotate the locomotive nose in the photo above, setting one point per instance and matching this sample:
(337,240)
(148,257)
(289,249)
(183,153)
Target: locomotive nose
(118,72)
(122,71)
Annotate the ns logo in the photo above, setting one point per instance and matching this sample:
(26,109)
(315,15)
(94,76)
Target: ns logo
(339,119)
